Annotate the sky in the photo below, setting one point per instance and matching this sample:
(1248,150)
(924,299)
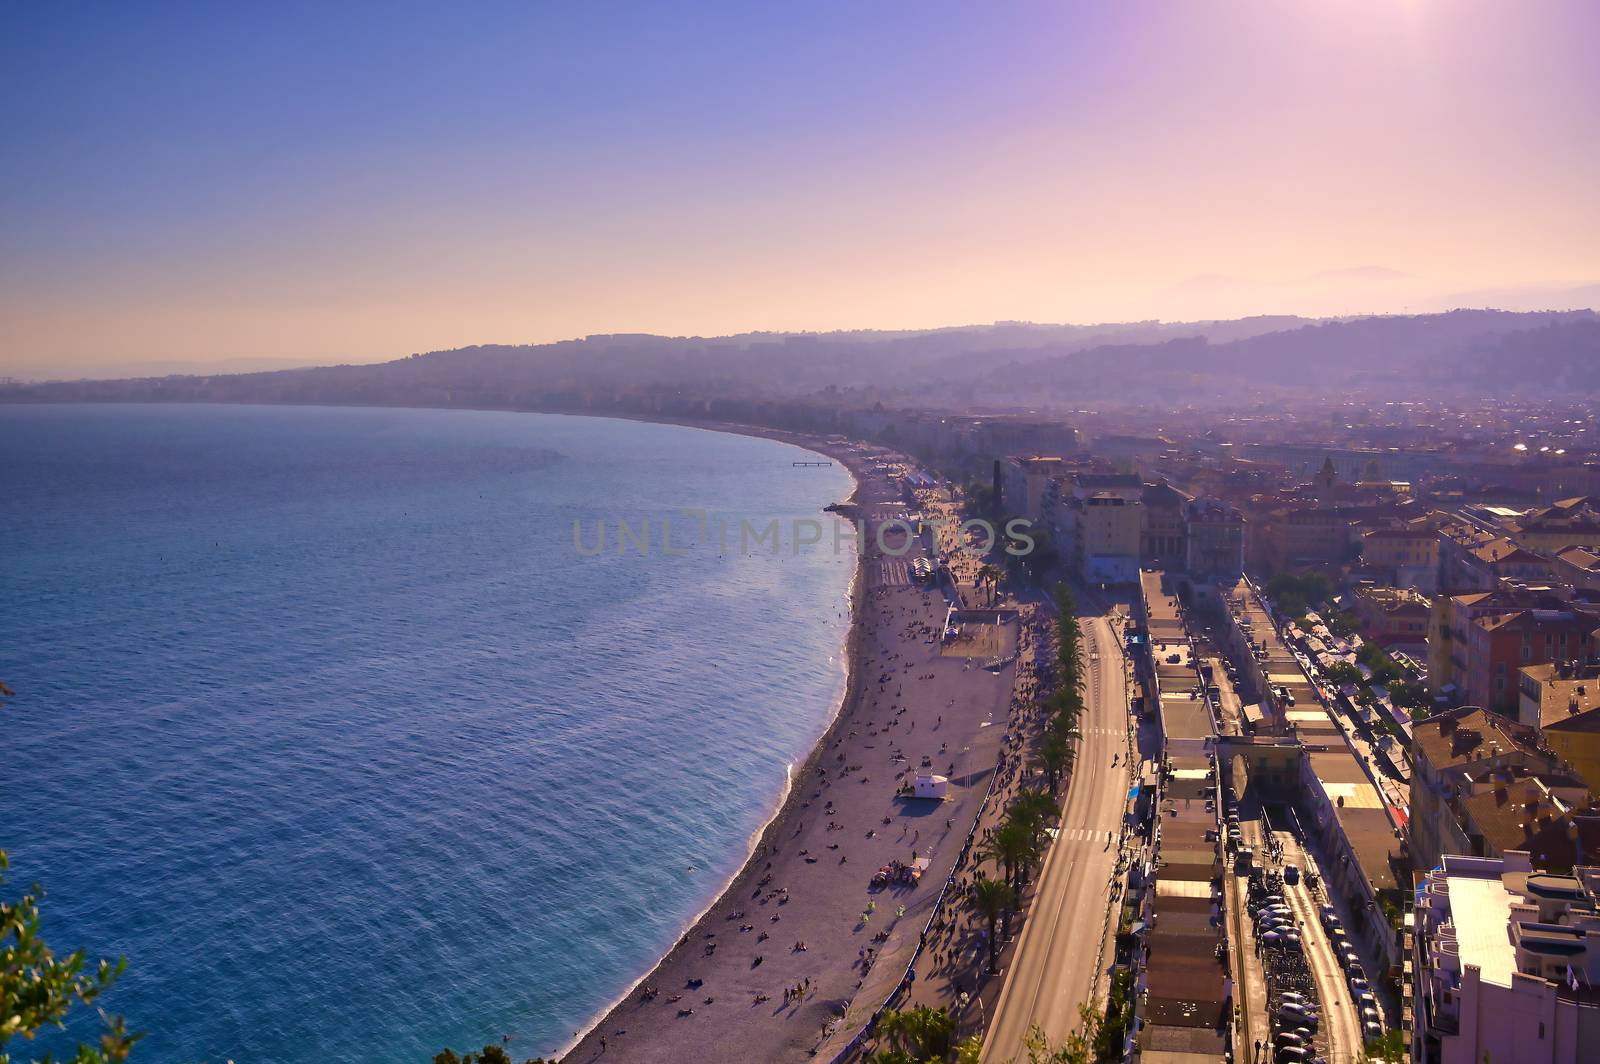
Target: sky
(230,184)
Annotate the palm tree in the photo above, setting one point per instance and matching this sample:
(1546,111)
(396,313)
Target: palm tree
(1013,846)
(989,575)
(992,899)
(916,1035)
(1057,754)
(1035,809)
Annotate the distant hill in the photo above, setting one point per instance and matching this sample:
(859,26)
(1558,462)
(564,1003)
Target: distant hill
(1489,351)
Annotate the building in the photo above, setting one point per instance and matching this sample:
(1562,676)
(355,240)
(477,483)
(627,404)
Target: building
(1162,541)
(1406,557)
(1562,700)
(1499,645)
(1025,481)
(1307,537)
(1568,523)
(1107,532)
(1452,754)
(1213,540)
(1504,964)
(1392,616)
(1447,628)
(1577,566)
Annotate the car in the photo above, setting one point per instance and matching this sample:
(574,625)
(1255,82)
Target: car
(1271,938)
(1371,1031)
(1292,1055)
(1299,1016)
(1290,995)
(1358,985)
(1327,913)
(1291,874)
(1292,941)
(1369,1015)
(1288,1038)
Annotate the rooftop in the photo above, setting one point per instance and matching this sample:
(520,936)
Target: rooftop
(1480,908)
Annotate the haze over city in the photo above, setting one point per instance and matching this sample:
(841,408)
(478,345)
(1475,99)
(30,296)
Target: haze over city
(831,533)
(230,188)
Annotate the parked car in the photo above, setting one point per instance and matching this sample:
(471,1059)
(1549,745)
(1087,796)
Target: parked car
(1291,874)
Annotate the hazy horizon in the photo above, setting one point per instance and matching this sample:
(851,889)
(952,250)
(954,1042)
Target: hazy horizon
(301,186)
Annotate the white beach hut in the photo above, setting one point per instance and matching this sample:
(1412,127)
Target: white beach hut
(927,785)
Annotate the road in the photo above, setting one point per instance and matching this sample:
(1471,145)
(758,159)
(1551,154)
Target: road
(1340,1024)
(1054,967)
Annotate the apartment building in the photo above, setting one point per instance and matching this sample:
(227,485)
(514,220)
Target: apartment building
(1453,754)
(1562,700)
(1568,523)
(1504,965)
(1025,481)
(1498,645)
(1406,557)
(1213,540)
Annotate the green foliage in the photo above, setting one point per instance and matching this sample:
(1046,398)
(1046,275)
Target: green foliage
(916,1036)
(993,899)
(1342,624)
(1113,1030)
(1079,1048)
(1341,673)
(490,1054)
(1384,669)
(1410,696)
(38,989)
(1035,811)
(1294,593)
(1388,1049)
(1014,846)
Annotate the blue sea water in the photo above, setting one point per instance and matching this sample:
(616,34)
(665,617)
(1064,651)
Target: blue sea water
(323,722)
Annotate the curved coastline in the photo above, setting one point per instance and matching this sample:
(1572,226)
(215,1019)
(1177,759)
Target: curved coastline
(782,807)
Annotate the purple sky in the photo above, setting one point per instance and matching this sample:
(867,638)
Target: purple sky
(330,182)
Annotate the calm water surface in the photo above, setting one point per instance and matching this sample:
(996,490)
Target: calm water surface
(322,721)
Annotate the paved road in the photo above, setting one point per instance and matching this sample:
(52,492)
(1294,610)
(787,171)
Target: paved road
(1054,966)
(1340,1024)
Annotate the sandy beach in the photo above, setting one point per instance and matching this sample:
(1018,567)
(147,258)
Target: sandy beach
(799,951)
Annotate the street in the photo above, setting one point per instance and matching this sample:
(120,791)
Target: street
(1054,968)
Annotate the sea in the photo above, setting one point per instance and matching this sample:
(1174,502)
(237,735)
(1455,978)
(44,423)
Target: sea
(362,733)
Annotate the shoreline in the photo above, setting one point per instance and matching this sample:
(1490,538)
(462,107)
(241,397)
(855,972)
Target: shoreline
(894,631)
(762,837)
(879,606)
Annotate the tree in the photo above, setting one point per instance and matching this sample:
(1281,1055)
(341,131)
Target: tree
(990,576)
(490,1054)
(1390,1048)
(992,899)
(1408,695)
(1079,1048)
(1014,848)
(1341,673)
(1057,755)
(39,989)
(1036,811)
(916,1035)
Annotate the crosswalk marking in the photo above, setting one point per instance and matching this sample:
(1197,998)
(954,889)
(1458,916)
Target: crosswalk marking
(1087,835)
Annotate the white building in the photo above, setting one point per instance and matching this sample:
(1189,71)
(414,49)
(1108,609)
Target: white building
(1506,964)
